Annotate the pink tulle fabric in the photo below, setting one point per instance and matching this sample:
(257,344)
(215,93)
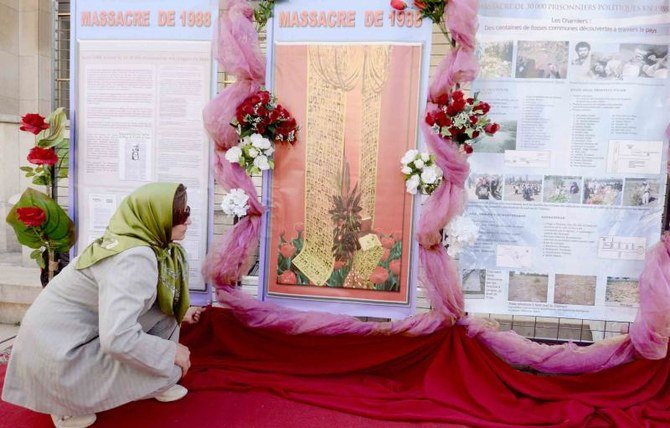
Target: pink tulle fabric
(458,66)
(237,49)
(649,333)
(238,54)
(229,258)
(220,111)
(275,317)
(461,20)
(566,358)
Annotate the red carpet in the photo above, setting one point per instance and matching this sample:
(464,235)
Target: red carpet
(243,377)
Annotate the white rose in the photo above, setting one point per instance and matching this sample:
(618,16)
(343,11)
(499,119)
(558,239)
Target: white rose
(425,157)
(412,184)
(269,151)
(429,175)
(418,164)
(234,154)
(409,156)
(245,141)
(406,170)
(235,203)
(257,140)
(253,152)
(262,163)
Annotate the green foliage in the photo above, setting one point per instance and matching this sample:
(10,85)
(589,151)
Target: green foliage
(263,13)
(346,217)
(57,232)
(53,136)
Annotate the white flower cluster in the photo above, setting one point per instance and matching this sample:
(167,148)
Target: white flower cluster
(421,172)
(235,203)
(461,232)
(253,153)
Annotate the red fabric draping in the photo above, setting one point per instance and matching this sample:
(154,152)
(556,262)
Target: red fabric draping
(442,377)
(380,380)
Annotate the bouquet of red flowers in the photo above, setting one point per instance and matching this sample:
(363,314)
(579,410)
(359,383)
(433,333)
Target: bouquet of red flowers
(261,114)
(461,120)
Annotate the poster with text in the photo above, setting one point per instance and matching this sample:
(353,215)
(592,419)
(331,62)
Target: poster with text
(570,193)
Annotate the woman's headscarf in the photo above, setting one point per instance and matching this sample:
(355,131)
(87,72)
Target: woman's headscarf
(144,218)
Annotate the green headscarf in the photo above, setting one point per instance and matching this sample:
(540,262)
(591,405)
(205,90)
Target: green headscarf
(144,218)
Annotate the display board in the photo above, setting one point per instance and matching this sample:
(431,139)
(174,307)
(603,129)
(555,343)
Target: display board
(569,194)
(354,75)
(140,79)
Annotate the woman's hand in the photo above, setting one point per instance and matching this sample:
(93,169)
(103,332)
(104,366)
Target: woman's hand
(193,315)
(183,358)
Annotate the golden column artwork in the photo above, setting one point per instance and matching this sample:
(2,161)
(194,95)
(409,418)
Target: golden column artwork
(332,72)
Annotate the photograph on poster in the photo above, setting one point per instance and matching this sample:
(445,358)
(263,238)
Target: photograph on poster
(575,290)
(596,61)
(474,283)
(643,60)
(501,141)
(523,188)
(562,189)
(495,59)
(542,59)
(622,291)
(603,191)
(527,287)
(340,227)
(485,187)
(641,192)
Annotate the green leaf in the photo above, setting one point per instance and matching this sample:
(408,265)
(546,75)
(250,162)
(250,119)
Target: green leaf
(26,168)
(41,180)
(30,174)
(63,172)
(57,228)
(54,135)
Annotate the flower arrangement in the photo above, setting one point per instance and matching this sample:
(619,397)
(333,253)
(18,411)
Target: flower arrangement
(461,120)
(38,221)
(260,122)
(236,203)
(461,232)
(421,173)
(49,139)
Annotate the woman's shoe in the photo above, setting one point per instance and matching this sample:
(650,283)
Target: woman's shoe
(175,393)
(73,421)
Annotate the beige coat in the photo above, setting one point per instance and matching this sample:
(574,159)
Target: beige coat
(94,339)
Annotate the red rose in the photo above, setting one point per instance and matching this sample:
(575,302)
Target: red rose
(273,115)
(254,99)
(475,134)
(34,123)
(470,101)
(398,4)
(31,216)
(248,109)
(442,119)
(287,250)
(491,128)
(264,96)
(40,156)
(299,227)
(339,264)
(387,242)
(419,4)
(467,148)
(442,99)
(455,107)
(395,267)
(473,119)
(483,107)
(457,95)
(379,275)
(288,277)
(454,131)
(430,119)
(386,254)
